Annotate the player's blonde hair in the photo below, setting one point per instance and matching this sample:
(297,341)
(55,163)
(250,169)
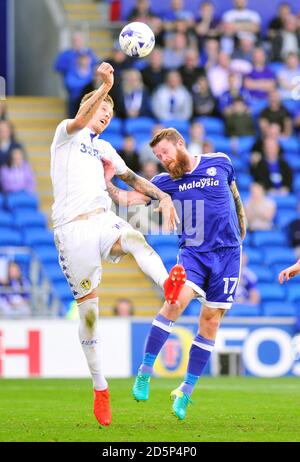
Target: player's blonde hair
(170,134)
(108,99)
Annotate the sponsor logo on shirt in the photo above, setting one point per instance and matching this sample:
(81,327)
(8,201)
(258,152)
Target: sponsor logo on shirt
(201,183)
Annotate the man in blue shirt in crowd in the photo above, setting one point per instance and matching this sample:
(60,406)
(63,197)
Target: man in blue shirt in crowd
(213,226)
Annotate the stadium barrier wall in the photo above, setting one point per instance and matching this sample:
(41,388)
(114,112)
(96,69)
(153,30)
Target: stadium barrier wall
(50,348)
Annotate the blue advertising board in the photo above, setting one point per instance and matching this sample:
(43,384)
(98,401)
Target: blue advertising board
(266,347)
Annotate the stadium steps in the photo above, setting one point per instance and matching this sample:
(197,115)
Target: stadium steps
(35,119)
(131,283)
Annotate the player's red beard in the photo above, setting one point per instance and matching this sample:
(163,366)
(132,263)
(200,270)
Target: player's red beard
(179,166)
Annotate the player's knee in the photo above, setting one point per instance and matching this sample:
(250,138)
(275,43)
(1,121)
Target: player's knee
(209,325)
(131,239)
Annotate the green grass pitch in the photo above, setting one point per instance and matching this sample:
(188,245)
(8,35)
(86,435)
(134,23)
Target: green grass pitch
(224,409)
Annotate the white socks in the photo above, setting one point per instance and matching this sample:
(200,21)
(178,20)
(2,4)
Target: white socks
(90,341)
(149,261)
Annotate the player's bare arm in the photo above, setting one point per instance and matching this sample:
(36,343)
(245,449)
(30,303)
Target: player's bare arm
(166,205)
(289,272)
(120,196)
(239,209)
(88,109)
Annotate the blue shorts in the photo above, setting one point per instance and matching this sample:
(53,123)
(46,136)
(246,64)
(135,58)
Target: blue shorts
(213,275)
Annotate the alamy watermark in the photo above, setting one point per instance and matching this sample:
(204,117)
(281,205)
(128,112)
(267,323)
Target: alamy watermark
(2,88)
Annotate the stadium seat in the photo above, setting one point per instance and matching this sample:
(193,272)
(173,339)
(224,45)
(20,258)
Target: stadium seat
(257,106)
(22,199)
(262,273)
(115,127)
(167,253)
(36,237)
(193,308)
(284,217)
(244,310)
(269,238)
(9,236)
(296,183)
(244,181)
(293,160)
(276,66)
(54,272)
(212,125)
(6,219)
(290,144)
(291,105)
(63,290)
(221,143)
(29,218)
(279,309)
(114,139)
(248,239)
(293,291)
(245,143)
(285,202)
(255,256)
(285,256)
(271,292)
(2,201)
(139,125)
(162,239)
(46,253)
(181,125)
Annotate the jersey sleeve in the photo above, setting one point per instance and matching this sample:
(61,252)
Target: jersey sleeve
(162,182)
(61,134)
(117,160)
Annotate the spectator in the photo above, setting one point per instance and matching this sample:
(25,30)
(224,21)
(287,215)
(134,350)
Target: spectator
(67,59)
(210,55)
(145,151)
(234,91)
(218,75)
(207,23)
(149,170)
(154,73)
(17,175)
(258,148)
(238,120)
(76,79)
(204,103)
(174,50)
(241,59)
(208,147)
(261,80)
(133,97)
(172,100)
(177,12)
(260,209)
(288,76)
(2,110)
(129,154)
(141,12)
(123,307)
(243,19)
(284,10)
(273,173)
(247,292)
(227,38)
(276,113)
(16,300)
(7,141)
(293,230)
(287,40)
(195,144)
(191,69)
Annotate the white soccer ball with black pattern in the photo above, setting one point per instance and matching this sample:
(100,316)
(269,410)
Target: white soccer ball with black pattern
(137,39)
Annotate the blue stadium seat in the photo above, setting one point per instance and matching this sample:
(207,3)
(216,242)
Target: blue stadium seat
(139,125)
(293,160)
(285,202)
(37,236)
(30,218)
(2,201)
(212,125)
(262,273)
(54,272)
(257,106)
(269,238)
(22,199)
(255,256)
(46,253)
(167,253)
(115,127)
(279,309)
(244,181)
(291,105)
(271,291)
(284,217)
(276,66)
(221,143)
(296,183)
(162,239)
(193,308)
(63,290)
(293,291)
(290,144)
(285,256)
(9,236)
(248,239)
(114,139)
(181,125)
(245,143)
(238,309)
(6,219)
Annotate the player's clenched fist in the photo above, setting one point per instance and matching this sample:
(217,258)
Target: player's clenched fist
(106,72)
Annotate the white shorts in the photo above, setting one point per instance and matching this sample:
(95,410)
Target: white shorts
(82,245)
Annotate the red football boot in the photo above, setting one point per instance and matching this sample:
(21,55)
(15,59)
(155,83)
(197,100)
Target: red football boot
(102,410)
(174,283)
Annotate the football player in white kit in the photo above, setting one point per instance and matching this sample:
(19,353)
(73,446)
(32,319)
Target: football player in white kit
(86,231)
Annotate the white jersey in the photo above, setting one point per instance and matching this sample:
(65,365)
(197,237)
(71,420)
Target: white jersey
(77,173)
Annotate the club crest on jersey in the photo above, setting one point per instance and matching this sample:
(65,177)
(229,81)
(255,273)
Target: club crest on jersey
(211,171)
(85,284)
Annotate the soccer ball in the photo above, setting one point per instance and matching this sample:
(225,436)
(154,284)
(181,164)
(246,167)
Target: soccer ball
(136,39)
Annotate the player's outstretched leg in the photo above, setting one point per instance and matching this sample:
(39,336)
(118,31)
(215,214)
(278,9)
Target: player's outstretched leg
(200,353)
(90,342)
